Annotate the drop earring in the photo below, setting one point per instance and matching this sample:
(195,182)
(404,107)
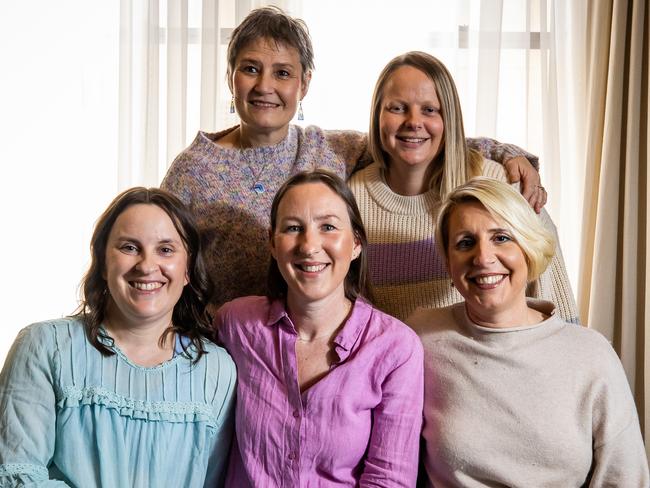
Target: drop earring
(232,105)
(301,115)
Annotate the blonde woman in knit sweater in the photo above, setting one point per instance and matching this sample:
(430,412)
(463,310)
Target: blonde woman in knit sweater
(515,396)
(418,145)
(228,178)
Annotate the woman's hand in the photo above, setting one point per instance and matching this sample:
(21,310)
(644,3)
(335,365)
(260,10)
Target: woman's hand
(519,169)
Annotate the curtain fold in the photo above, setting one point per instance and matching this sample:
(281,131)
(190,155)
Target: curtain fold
(615,266)
(138,134)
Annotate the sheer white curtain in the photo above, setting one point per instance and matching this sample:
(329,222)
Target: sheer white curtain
(172,79)
(99,96)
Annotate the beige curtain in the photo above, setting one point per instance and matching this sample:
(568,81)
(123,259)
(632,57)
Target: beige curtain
(615,273)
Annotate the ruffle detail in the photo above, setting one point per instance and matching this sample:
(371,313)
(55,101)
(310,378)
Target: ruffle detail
(181,412)
(33,471)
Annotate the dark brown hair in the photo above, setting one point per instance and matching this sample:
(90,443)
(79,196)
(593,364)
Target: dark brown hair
(356,281)
(272,23)
(189,317)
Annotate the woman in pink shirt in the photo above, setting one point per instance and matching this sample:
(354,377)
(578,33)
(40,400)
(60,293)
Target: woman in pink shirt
(330,389)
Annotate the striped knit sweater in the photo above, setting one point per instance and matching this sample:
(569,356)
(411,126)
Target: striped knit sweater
(406,269)
(217,184)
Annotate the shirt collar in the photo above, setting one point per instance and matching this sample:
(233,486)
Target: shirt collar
(345,339)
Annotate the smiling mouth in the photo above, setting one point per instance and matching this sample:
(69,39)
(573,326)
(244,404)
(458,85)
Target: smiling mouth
(488,281)
(311,268)
(412,140)
(263,104)
(149,286)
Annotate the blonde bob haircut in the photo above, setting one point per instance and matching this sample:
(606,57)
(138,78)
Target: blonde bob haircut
(508,207)
(455,163)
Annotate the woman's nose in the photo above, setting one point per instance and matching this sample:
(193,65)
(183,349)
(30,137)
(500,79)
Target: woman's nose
(483,253)
(147,263)
(309,243)
(414,120)
(264,82)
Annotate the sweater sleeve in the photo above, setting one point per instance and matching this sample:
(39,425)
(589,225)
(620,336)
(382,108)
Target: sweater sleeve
(28,411)
(500,152)
(392,458)
(351,147)
(182,177)
(619,456)
(226,388)
(553,285)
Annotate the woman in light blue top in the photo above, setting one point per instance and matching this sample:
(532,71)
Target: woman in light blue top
(129,392)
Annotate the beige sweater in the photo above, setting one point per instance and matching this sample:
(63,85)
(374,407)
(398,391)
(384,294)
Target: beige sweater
(406,269)
(546,405)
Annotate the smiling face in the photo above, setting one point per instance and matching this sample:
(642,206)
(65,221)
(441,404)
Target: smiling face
(486,265)
(146,268)
(313,244)
(267,83)
(410,122)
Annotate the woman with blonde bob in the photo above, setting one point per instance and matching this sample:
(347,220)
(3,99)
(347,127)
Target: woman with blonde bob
(420,154)
(514,395)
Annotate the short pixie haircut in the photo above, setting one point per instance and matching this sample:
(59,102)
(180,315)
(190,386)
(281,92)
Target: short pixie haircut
(509,207)
(189,317)
(356,281)
(272,23)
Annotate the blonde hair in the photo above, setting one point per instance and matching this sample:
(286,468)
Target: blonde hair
(510,208)
(455,163)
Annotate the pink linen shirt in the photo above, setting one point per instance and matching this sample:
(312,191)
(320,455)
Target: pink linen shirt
(357,426)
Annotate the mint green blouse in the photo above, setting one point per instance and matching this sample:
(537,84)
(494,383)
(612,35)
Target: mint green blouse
(72,417)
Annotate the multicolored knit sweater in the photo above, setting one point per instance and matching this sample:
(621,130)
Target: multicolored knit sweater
(406,269)
(230,192)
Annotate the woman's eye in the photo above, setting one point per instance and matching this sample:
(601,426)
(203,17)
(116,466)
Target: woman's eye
(283,73)
(464,243)
(328,227)
(431,110)
(396,109)
(292,228)
(129,248)
(250,69)
(502,238)
(166,250)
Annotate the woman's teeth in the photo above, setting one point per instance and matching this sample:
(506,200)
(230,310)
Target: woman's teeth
(488,280)
(312,268)
(146,286)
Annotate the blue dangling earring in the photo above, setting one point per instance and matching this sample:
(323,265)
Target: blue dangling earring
(301,115)
(232,105)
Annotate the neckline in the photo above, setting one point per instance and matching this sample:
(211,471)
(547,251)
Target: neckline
(211,138)
(381,193)
(541,329)
(109,342)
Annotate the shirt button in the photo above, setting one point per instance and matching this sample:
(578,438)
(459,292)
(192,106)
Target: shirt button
(291,456)
(296,413)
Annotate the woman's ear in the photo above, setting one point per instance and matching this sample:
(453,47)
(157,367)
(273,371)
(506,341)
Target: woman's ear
(305,85)
(356,250)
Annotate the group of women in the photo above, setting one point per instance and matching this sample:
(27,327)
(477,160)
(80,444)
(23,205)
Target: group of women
(319,383)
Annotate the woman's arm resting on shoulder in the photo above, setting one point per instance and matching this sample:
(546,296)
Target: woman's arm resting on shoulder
(27,413)
(520,166)
(392,458)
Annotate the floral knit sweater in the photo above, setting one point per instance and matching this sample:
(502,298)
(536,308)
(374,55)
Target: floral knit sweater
(406,269)
(230,192)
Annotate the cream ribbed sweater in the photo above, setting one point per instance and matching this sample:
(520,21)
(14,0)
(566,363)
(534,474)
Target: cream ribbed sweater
(546,405)
(405,266)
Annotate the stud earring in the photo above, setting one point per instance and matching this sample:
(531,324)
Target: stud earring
(301,115)
(232,105)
